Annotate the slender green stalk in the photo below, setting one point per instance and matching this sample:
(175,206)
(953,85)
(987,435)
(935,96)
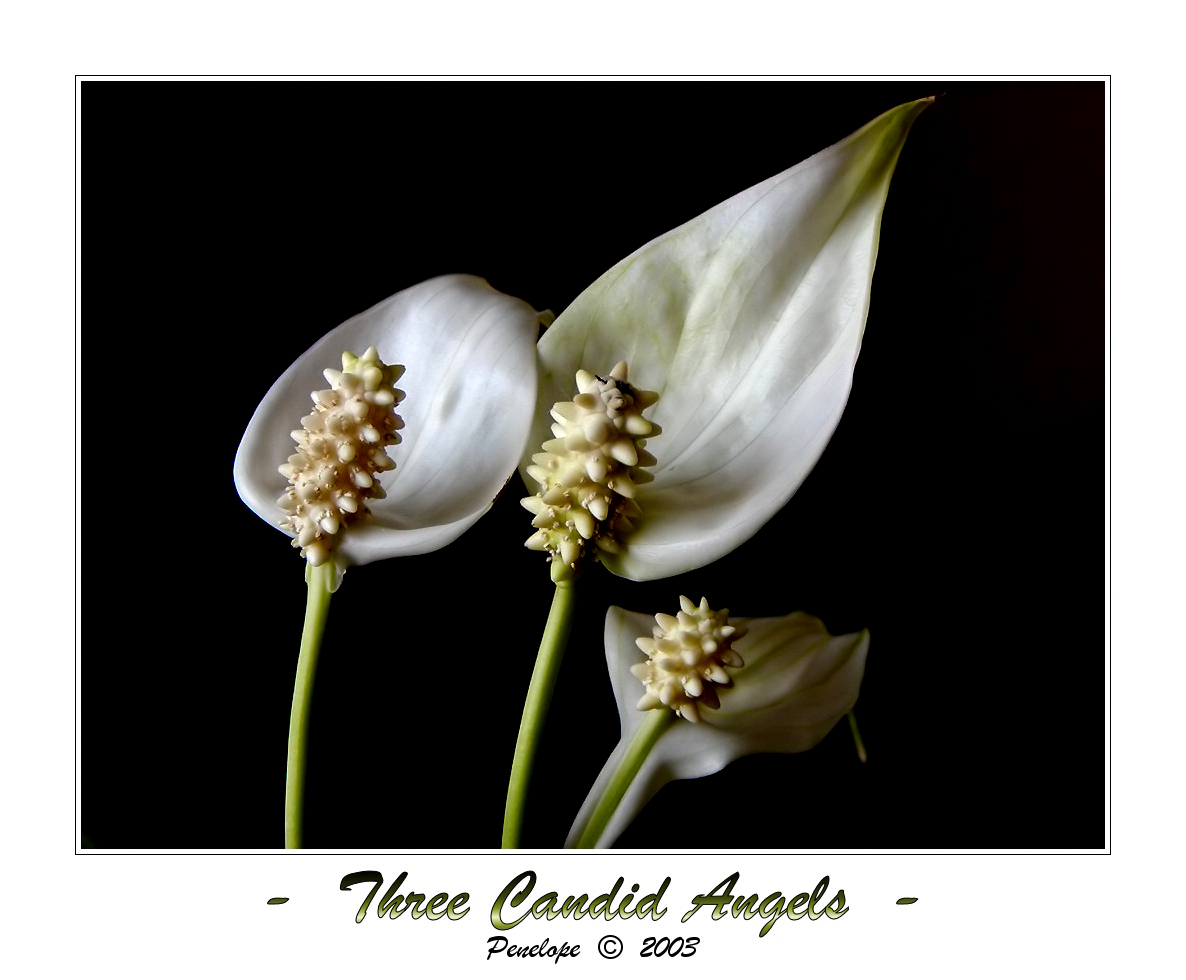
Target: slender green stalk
(321,580)
(535,708)
(856,737)
(657,721)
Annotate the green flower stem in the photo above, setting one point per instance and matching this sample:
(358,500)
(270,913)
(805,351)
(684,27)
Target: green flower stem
(535,708)
(856,737)
(658,720)
(320,579)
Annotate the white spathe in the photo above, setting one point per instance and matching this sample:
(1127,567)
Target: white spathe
(470,381)
(747,321)
(797,682)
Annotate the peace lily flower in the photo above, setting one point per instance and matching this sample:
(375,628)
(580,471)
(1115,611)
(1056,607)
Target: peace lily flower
(332,485)
(690,702)
(738,332)
(745,325)
(469,354)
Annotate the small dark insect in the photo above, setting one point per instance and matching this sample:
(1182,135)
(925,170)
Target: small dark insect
(623,386)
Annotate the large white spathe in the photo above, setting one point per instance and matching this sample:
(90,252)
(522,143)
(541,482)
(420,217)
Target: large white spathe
(797,683)
(747,321)
(469,357)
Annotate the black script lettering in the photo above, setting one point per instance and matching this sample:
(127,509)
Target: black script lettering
(549,906)
(772,907)
(712,898)
(496,918)
(390,904)
(547,949)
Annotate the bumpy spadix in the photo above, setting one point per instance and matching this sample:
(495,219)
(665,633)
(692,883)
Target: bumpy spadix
(589,471)
(687,657)
(341,450)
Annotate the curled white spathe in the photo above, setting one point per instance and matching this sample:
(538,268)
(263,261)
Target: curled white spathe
(798,681)
(470,381)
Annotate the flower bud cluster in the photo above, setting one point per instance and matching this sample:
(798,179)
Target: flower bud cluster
(589,472)
(686,659)
(341,450)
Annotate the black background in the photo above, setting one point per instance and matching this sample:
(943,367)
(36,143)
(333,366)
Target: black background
(956,513)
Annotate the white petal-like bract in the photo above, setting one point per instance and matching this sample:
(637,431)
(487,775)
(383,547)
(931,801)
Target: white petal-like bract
(747,321)
(470,378)
(798,681)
